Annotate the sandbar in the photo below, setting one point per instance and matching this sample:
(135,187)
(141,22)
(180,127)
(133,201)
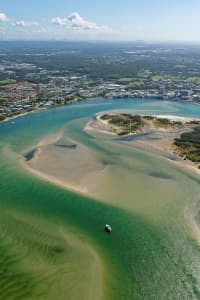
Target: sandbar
(65,163)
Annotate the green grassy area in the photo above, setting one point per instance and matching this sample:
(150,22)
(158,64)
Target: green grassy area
(126,79)
(132,82)
(173,77)
(193,79)
(168,124)
(136,84)
(157,78)
(179,66)
(127,123)
(7,81)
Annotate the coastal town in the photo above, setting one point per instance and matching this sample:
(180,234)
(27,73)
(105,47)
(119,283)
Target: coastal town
(26,86)
(99,150)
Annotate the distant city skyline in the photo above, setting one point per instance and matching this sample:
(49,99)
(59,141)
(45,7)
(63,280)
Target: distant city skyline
(128,20)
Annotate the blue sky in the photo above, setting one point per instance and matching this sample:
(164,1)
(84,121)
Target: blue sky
(150,20)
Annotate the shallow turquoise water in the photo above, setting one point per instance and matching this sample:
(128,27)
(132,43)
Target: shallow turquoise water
(151,254)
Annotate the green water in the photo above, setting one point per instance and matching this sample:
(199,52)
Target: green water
(52,243)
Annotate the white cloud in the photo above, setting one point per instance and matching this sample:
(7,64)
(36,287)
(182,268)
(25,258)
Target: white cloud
(3,17)
(75,21)
(60,21)
(22,23)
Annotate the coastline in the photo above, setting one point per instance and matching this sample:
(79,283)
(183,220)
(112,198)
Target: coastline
(7,119)
(162,148)
(166,152)
(99,125)
(16,117)
(45,150)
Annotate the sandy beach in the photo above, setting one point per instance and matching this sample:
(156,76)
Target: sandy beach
(98,125)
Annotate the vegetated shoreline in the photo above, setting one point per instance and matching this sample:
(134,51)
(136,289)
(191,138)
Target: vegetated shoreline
(7,119)
(164,148)
(23,114)
(20,115)
(102,125)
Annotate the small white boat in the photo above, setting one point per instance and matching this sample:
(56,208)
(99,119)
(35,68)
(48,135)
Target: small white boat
(108,228)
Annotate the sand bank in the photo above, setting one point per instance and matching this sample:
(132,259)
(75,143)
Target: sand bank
(71,165)
(102,126)
(158,141)
(164,150)
(65,163)
(99,125)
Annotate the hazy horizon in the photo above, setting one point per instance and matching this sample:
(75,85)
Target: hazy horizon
(138,42)
(151,21)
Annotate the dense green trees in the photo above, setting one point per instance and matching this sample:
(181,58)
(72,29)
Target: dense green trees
(189,145)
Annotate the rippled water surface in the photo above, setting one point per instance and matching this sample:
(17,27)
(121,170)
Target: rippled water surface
(52,242)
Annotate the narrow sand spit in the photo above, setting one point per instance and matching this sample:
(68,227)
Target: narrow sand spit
(99,125)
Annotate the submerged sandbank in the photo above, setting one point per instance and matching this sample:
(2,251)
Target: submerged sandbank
(62,161)
(71,165)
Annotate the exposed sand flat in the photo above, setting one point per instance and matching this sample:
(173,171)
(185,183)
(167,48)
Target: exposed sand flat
(158,140)
(99,125)
(52,179)
(65,163)
(163,149)
(176,118)
(188,166)
(54,138)
(71,165)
